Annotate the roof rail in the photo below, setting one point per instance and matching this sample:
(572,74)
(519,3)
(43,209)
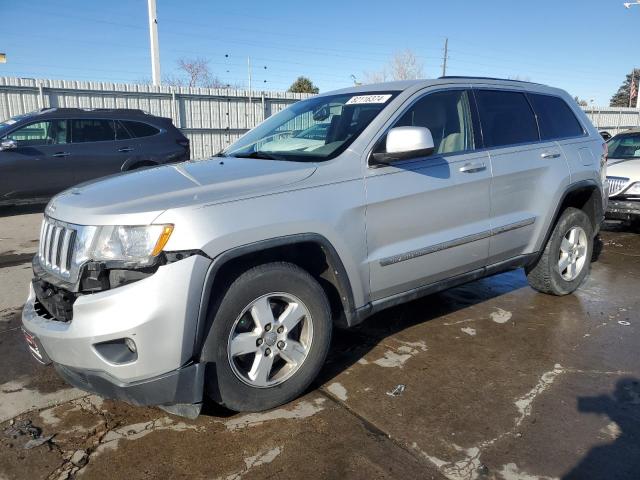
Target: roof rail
(130,111)
(463,77)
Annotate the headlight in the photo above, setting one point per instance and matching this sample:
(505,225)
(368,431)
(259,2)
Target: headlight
(138,245)
(633,189)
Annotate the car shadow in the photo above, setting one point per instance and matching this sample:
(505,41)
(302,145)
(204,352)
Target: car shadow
(14,210)
(349,346)
(621,458)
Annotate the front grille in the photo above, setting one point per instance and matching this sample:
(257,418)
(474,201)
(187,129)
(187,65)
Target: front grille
(57,241)
(616,184)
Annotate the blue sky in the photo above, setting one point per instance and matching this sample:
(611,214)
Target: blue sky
(585,47)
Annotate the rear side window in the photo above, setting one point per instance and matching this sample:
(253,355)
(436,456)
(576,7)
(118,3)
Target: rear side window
(121,132)
(506,117)
(92,130)
(555,118)
(139,129)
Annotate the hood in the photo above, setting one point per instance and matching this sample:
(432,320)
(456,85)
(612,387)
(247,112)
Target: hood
(629,168)
(137,198)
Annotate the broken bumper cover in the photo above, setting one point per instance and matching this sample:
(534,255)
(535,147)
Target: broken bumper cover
(135,342)
(182,386)
(622,209)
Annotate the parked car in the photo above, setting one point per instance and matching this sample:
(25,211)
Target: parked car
(606,135)
(44,152)
(224,278)
(623,174)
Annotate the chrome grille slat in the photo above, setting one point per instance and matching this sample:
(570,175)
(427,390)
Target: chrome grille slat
(55,244)
(616,185)
(47,245)
(63,254)
(56,249)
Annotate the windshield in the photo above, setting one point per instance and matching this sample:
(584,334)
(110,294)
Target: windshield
(5,125)
(316,129)
(624,146)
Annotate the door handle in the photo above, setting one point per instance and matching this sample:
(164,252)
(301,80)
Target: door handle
(125,149)
(61,154)
(473,167)
(550,155)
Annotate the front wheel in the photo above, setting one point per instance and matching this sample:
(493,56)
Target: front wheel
(273,330)
(566,259)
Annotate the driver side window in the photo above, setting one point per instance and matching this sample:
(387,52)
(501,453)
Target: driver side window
(447,115)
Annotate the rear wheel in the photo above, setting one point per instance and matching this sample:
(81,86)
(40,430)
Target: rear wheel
(566,259)
(273,327)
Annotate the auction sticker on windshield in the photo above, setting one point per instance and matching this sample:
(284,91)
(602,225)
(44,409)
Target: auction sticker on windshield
(360,99)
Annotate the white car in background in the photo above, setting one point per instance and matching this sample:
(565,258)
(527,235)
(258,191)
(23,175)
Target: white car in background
(623,173)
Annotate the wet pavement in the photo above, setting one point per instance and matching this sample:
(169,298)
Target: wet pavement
(490,380)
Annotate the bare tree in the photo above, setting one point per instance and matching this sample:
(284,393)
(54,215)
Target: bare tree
(197,73)
(403,65)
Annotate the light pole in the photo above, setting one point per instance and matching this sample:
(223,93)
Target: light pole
(153,37)
(629,5)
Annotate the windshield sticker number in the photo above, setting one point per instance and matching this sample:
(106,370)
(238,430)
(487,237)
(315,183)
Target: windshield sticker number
(362,99)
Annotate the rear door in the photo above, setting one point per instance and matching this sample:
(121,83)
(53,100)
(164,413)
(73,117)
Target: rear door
(40,166)
(95,148)
(428,218)
(527,172)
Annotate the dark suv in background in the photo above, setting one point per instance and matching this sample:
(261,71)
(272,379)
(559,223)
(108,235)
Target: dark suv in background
(44,152)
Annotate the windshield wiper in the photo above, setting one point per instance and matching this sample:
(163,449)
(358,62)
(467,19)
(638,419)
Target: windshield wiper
(259,154)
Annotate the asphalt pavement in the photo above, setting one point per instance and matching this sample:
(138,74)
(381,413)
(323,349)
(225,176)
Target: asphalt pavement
(488,380)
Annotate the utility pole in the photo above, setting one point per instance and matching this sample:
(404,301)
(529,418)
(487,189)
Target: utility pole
(632,87)
(153,35)
(446,56)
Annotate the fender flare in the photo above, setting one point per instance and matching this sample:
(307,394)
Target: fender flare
(204,346)
(590,183)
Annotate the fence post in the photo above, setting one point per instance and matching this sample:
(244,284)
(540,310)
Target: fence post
(40,95)
(175,104)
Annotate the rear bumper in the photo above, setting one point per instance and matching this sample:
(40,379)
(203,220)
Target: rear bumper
(182,386)
(622,209)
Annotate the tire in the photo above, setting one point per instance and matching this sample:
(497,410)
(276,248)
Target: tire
(545,275)
(284,287)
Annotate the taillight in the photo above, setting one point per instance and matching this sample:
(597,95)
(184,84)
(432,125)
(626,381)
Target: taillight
(184,142)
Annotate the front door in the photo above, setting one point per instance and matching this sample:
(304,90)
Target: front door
(428,218)
(40,165)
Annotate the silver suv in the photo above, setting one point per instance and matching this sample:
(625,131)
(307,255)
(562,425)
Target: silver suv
(224,277)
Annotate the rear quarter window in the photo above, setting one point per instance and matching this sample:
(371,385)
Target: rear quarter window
(506,118)
(140,129)
(555,117)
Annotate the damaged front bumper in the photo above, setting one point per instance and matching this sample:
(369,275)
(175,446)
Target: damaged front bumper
(623,209)
(135,342)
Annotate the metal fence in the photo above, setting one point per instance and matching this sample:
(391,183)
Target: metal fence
(211,118)
(614,119)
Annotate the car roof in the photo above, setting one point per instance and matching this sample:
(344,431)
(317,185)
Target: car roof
(626,132)
(402,85)
(88,112)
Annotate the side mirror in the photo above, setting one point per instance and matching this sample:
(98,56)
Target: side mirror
(8,145)
(404,143)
